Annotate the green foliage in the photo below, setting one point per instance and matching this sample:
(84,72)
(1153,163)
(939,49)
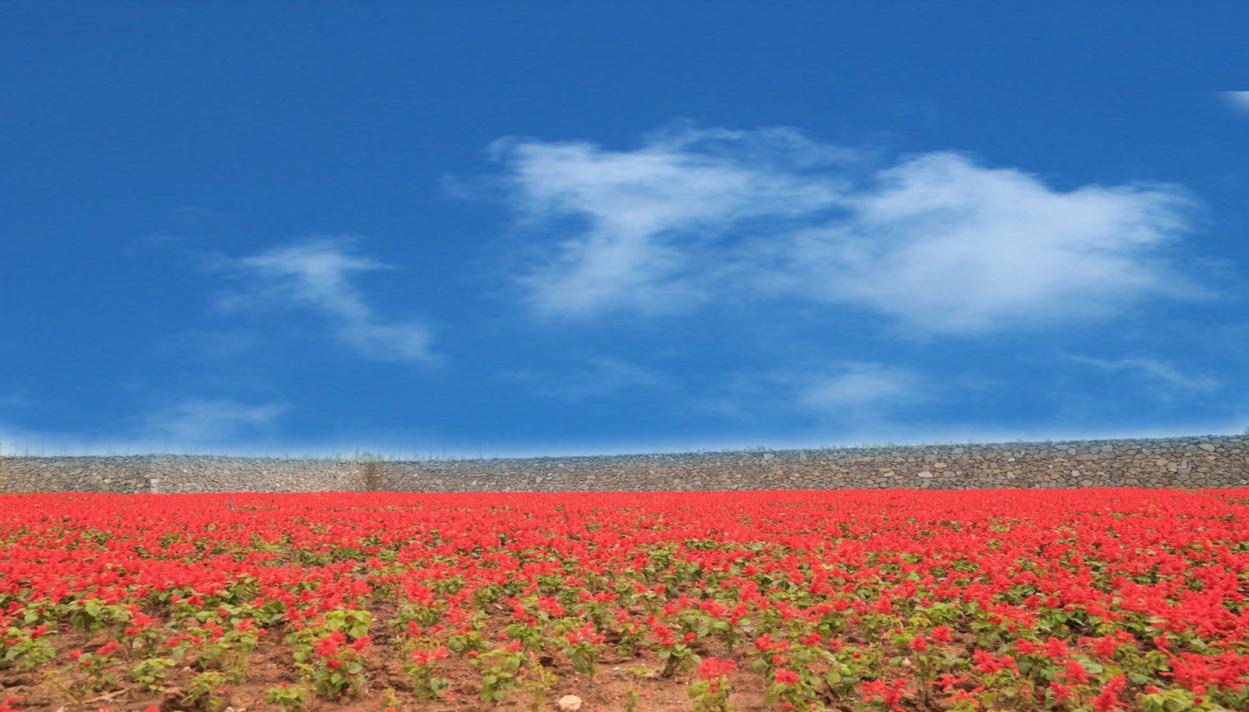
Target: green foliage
(90,615)
(468,642)
(150,672)
(328,653)
(422,667)
(288,697)
(678,656)
(500,673)
(25,650)
(540,683)
(710,695)
(201,692)
(354,623)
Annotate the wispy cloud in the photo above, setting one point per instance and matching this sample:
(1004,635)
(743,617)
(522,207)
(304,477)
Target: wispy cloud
(856,386)
(594,377)
(1160,373)
(317,274)
(1238,100)
(848,394)
(646,215)
(211,420)
(937,241)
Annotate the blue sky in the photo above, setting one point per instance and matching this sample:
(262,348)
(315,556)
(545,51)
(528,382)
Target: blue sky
(512,228)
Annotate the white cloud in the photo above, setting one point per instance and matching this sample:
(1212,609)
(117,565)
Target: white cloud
(1237,99)
(945,245)
(316,274)
(211,420)
(854,387)
(1160,373)
(180,426)
(649,212)
(937,241)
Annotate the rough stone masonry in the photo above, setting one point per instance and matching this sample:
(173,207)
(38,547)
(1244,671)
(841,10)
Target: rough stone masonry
(1190,462)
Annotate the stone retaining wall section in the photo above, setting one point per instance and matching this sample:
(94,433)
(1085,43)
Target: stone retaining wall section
(178,473)
(1196,462)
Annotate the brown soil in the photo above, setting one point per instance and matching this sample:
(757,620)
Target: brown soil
(387,682)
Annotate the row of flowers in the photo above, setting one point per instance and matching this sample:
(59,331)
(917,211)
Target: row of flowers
(886,600)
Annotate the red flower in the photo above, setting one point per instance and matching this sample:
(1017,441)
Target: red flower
(888,693)
(1075,673)
(1061,692)
(711,668)
(786,677)
(988,663)
(1108,699)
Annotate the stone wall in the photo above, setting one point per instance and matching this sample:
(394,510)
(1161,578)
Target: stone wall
(177,473)
(1197,462)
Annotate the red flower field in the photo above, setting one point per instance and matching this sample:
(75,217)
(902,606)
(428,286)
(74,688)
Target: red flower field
(885,600)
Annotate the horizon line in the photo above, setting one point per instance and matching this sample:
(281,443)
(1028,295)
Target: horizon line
(397,455)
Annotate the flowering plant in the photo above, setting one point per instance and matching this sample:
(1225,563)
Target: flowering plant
(1089,600)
